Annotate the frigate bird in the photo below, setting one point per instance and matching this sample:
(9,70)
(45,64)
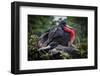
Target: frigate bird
(58,37)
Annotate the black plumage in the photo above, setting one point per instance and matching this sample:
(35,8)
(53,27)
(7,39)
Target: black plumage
(55,35)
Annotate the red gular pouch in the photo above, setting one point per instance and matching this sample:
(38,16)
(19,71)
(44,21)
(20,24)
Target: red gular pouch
(71,32)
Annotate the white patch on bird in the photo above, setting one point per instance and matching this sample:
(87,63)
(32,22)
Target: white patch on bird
(54,50)
(43,48)
(57,18)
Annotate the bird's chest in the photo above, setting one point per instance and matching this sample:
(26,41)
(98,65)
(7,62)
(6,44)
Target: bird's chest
(62,39)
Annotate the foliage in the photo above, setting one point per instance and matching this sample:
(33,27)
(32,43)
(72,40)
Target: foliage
(81,30)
